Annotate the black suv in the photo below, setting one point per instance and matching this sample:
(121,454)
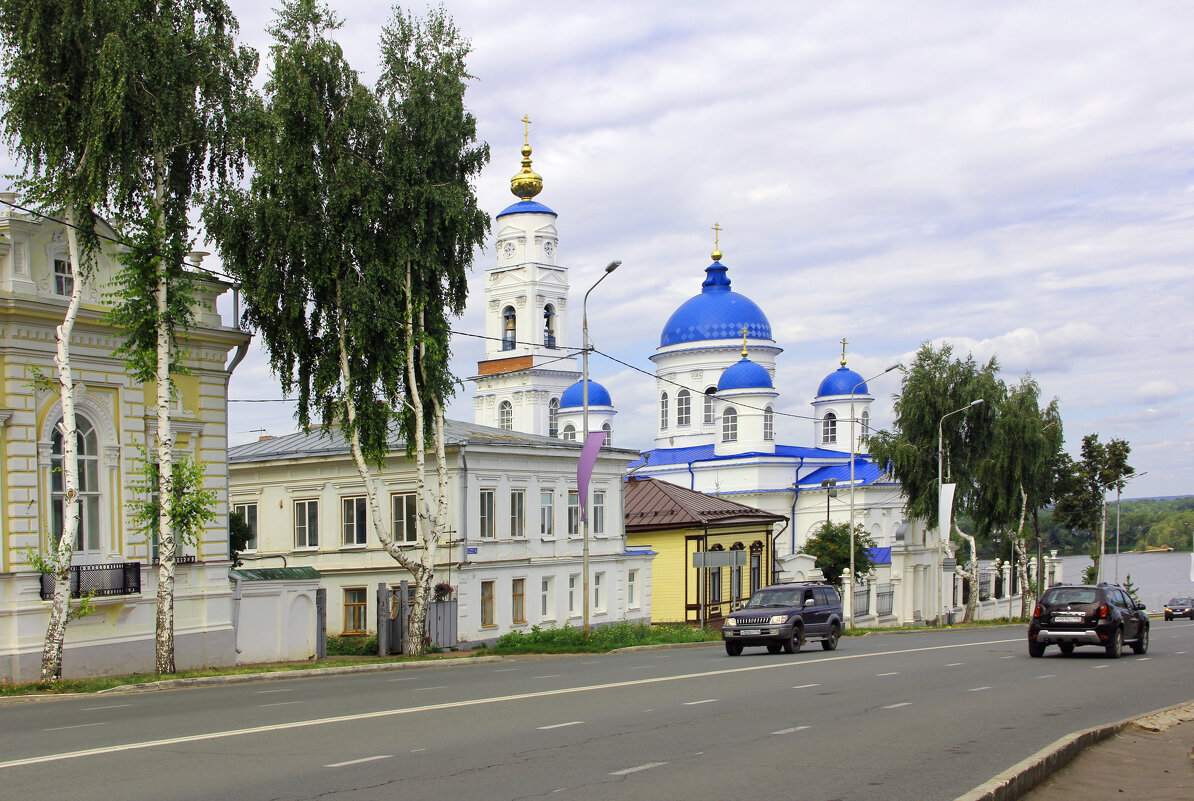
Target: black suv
(785,616)
(1082,614)
(1179,607)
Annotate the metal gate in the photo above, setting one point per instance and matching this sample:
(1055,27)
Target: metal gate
(393,618)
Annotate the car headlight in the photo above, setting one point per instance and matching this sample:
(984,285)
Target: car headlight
(777,619)
(730,622)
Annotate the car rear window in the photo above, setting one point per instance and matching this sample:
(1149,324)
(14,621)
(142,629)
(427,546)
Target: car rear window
(1071,595)
(1181,602)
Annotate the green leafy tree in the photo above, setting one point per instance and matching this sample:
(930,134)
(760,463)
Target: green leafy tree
(831,546)
(240,534)
(353,239)
(1082,488)
(936,385)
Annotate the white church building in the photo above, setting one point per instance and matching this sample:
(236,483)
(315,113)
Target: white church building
(718,431)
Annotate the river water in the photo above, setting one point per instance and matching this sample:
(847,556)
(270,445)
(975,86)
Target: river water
(1156,576)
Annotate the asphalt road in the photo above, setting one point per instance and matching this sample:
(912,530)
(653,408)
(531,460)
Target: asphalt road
(904,716)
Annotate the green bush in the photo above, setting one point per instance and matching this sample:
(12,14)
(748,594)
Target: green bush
(605,638)
(352,645)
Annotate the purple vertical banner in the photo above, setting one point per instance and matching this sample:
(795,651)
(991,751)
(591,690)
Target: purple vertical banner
(584,468)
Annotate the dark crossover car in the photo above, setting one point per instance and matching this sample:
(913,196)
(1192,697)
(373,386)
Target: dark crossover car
(1179,607)
(785,616)
(1069,615)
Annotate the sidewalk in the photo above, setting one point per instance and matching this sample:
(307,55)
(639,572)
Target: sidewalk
(1150,758)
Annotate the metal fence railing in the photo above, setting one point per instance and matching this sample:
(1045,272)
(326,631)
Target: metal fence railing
(862,600)
(118,578)
(884,599)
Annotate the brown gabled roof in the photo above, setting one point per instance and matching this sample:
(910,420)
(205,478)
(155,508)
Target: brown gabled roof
(651,505)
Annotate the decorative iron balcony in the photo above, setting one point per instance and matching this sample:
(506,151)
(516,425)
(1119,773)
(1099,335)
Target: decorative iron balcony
(113,578)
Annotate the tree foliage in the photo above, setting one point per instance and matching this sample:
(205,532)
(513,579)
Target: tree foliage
(831,546)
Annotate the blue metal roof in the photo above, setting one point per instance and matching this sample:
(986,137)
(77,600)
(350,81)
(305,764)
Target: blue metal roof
(705,453)
(717,313)
(526,207)
(880,556)
(745,375)
(843,381)
(865,472)
(573,397)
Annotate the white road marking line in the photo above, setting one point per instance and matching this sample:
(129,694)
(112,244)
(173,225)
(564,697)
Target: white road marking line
(359,761)
(977,689)
(593,662)
(652,709)
(897,706)
(955,664)
(893,673)
(548,676)
(275,728)
(506,670)
(265,692)
(406,678)
(417,750)
(561,725)
(645,667)
(789,731)
(77,726)
(1144,659)
(1181,653)
(283,703)
(94,708)
(436,687)
(705,701)
(636,769)
(1008,657)
(1048,676)
(805,686)
(1100,667)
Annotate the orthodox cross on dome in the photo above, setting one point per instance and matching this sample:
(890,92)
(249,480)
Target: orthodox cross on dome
(717,229)
(527,183)
(743,342)
(844,343)
(526,129)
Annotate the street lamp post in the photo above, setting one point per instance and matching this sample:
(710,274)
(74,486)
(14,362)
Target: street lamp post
(853,448)
(940,460)
(584,394)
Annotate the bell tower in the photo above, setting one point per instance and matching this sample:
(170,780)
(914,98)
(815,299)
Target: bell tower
(526,369)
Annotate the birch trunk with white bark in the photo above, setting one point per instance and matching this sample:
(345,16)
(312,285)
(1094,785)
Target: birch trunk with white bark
(51,657)
(1020,542)
(164,639)
(971,575)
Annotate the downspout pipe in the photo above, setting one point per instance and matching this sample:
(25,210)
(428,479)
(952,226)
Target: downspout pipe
(691,478)
(236,612)
(462,523)
(795,497)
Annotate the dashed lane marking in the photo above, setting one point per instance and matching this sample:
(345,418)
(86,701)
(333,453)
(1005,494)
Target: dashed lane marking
(977,689)
(636,769)
(561,725)
(76,726)
(897,706)
(705,701)
(805,686)
(791,730)
(359,761)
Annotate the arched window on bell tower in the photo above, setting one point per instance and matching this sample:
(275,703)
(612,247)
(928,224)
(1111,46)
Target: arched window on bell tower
(553,417)
(549,326)
(509,328)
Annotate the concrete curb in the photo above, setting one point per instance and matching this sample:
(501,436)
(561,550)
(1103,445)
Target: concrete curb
(1016,781)
(278,675)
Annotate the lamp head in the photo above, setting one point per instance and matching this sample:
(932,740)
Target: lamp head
(976,402)
(613,265)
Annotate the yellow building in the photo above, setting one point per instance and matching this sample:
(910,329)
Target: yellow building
(116,417)
(680,524)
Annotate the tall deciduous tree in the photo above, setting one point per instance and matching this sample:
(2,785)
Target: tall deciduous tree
(935,385)
(352,243)
(1083,486)
(120,106)
(62,88)
(831,546)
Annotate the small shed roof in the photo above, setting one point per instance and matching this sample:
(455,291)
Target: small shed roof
(652,505)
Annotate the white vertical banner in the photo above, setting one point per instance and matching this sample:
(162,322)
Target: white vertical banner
(945,508)
(1192,566)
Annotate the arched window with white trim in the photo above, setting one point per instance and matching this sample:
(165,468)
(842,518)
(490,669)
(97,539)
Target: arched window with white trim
(710,416)
(509,328)
(553,417)
(609,434)
(87,539)
(663,411)
(729,425)
(569,433)
(769,424)
(829,429)
(683,409)
(505,416)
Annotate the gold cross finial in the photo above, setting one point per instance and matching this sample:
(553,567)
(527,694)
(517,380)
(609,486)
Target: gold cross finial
(844,343)
(526,129)
(716,235)
(743,342)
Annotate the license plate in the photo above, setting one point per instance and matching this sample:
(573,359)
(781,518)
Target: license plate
(1069,617)
(748,632)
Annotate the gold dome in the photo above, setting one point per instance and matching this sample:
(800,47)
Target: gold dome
(527,183)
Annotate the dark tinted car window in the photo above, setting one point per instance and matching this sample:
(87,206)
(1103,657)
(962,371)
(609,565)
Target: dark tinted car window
(1071,595)
(1181,601)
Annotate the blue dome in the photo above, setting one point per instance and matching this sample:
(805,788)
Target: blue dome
(744,375)
(843,381)
(717,313)
(527,207)
(573,397)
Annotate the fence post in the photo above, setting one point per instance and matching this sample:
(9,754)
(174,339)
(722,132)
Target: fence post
(321,622)
(383,627)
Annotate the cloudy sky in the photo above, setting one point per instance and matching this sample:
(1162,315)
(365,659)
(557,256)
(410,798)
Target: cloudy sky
(1014,178)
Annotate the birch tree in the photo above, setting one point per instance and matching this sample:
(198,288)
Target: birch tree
(935,385)
(352,242)
(57,120)
(1083,486)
